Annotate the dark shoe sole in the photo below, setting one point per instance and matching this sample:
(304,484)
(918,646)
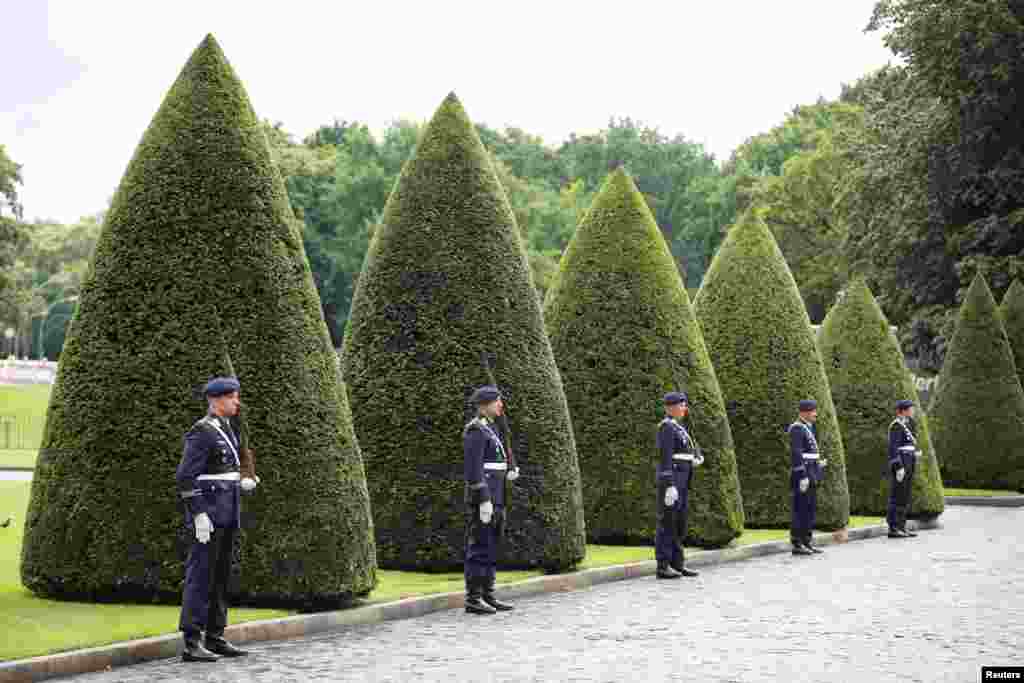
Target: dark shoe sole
(190,658)
(669,576)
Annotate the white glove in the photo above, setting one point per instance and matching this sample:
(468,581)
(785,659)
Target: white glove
(513,475)
(900,473)
(486,511)
(698,460)
(249,484)
(805,483)
(204,527)
(671,496)
(823,462)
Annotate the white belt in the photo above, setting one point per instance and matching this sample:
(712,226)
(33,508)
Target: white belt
(906,448)
(495,465)
(811,456)
(227,476)
(682,456)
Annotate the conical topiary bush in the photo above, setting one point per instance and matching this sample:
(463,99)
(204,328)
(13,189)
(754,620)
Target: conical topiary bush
(1012,312)
(865,369)
(624,333)
(446,281)
(201,215)
(762,347)
(977,413)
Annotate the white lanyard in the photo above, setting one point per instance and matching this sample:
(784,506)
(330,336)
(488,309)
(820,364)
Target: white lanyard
(230,444)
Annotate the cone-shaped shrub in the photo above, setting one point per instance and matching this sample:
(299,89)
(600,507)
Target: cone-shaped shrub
(977,414)
(1012,311)
(623,332)
(201,215)
(762,347)
(446,281)
(865,369)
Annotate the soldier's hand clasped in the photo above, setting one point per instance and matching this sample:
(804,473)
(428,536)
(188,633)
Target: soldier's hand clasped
(486,511)
(249,484)
(671,496)
(900,473)
(204,527)
(804,484)
(513,474)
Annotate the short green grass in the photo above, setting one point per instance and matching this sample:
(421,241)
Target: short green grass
(985,493)
(27,405)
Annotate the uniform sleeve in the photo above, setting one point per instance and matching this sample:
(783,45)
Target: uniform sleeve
(666,447)
(796,448)
(895,441)
(473,448)
(193,463)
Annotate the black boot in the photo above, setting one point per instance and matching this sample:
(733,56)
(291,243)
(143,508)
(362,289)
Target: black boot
(908,532)
(488,597)
(809,544)
(799,548)
(897,533)
(218,645)
(683,571)
(667,572)
(195,652)
(474,591)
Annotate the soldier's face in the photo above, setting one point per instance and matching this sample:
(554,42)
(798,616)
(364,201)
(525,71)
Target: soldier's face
(495,408)
(678,410)
(227,404)
(907,412)
(810,415)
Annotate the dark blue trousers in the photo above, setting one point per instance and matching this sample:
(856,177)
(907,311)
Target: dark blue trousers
(899,498)
(482,543)
(805,508)
(204,601)
(671,529)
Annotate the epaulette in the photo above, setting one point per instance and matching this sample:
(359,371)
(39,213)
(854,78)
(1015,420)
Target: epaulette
(475,423)
(203,424)
(894,423)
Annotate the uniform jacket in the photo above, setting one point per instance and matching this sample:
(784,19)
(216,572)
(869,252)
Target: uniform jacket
(485,463)
(803,442)
(674,443)
(902,445)
(211,447)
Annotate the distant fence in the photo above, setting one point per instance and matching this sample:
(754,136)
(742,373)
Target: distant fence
(27,371)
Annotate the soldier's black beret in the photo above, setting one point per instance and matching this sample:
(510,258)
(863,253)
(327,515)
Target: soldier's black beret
(808,404)
(674,397)
(485,394)
(903,404)
(218,386)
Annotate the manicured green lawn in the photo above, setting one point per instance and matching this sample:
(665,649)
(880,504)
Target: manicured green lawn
(27,406)
(987,493)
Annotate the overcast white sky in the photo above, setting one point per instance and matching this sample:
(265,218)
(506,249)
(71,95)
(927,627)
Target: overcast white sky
(83,78)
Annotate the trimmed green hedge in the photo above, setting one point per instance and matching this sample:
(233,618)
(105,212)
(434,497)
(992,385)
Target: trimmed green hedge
(624,333)
(762,347)
(977,413)
(865,369)
(1012,312)
(199,229)
(446,287)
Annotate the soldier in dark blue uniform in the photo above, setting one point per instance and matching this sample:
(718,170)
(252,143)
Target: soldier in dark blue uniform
(209,482)
(806,473)
(677,457)
(903,455)
(486,470)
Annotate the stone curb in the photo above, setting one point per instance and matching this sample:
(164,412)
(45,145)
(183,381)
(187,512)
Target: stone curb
(987,501)
(167,646)
(17,468)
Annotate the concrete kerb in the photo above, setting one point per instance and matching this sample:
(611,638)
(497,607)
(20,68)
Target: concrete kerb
(987,501)
(163,647)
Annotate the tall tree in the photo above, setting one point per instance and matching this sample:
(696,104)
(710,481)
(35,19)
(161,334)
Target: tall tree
(763,350)
(624,333)
(445,301)
(977,413)
(199,261)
